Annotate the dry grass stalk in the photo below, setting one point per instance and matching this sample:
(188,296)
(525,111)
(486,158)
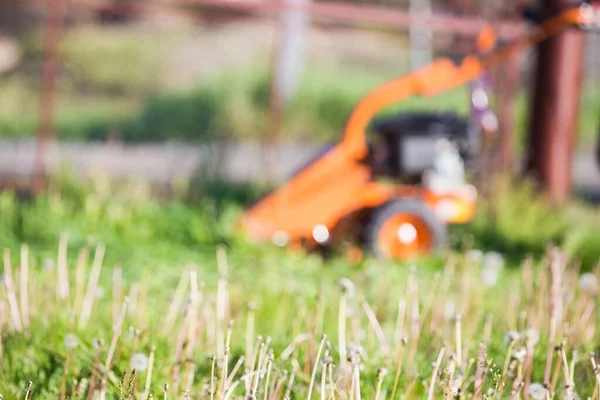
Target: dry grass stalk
(383,346)
(149,374)
(192,312)
(480,370)
(213,360)
(10,291)
(96,373)
(88,302)
(342,331)
(315,367)
(223,385)
(413,292)
(268,377)
(24,288)
(111,350)
(61,263)
(221,300)
(234,371)
(399,359)
(434,374)
(117,293)
(82,258)
(176,302)
(290,383)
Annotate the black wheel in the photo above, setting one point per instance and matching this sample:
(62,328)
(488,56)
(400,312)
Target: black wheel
(402,229)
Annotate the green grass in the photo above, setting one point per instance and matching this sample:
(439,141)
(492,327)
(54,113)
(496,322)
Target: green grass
(154,243)
(112,83)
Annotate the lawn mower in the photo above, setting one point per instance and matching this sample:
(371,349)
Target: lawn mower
(395,193)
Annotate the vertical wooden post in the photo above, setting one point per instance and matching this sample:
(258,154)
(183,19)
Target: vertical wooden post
(421,35)
(507,91)
(556,105)
(54,23)
(506,115)
(286,70)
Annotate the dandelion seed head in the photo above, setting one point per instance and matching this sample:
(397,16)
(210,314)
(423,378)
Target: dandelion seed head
(139,362)
(570,396)
(49,263)
(351,311)
(511,337)
(347,287)
(474,256)
(355,351)
(71,341)
(449,310)
(588,283)
(489,276)
(519,354)
(530,336)
(493,260)
(536,391)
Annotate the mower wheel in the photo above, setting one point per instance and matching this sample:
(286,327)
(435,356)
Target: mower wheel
(402,229)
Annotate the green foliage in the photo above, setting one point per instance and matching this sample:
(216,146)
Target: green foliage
(122,61)
(517,220)
(189,116)
(228,104)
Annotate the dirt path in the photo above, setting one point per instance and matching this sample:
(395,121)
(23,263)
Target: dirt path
(167,163)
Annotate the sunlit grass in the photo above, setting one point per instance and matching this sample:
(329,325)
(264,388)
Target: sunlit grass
(189,298)
(271,322)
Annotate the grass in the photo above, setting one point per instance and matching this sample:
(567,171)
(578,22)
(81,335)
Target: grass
(185,275)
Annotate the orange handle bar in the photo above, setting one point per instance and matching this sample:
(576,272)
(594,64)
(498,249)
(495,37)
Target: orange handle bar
(443,75)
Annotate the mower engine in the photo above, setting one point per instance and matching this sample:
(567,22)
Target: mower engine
(406,146)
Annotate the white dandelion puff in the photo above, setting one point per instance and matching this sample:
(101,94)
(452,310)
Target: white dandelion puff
(449,310)
(570,396)
(489,276)
(536,391)
(347,287)
(494,260)
(355,352)
(531,335)
(588,283)
(474,256)
(139,362)
(48,263)
(511,337)
(519,354)
(71,341)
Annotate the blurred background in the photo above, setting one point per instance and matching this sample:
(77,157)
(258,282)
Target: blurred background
(172,90)
(213,101)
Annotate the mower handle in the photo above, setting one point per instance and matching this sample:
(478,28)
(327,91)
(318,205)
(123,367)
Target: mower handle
(443,74)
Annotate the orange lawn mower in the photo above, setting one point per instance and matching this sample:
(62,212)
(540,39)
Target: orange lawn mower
(395,194)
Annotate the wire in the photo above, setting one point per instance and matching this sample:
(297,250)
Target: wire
(380,16)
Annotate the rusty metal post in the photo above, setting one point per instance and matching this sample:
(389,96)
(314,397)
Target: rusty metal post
(506,114)
(54,23)
(275,115)
(507,91)
(555,110)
